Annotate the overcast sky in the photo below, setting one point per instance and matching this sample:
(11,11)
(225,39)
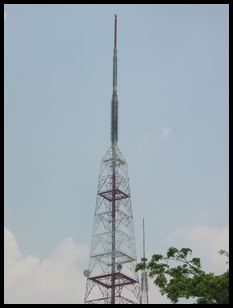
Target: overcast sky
(173,131)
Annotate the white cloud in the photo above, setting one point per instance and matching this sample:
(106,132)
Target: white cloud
(57,279)
(163,133)
(205,243)
(151,139)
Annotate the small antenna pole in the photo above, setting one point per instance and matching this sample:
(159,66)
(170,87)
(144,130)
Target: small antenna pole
(144,279)
(144,253)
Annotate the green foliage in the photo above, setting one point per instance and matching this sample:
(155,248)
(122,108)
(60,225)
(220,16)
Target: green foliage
(187,279)
(224,253)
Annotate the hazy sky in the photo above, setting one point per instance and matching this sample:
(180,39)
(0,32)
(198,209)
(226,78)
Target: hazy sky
(173,126)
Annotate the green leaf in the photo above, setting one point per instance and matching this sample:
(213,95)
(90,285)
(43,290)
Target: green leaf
(196,262)
(139,266)
(156,258)
(185,251)
(171,252)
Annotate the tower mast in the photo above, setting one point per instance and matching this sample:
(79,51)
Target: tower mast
(114,135)
(111,278)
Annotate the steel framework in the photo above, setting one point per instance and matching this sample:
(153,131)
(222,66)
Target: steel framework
(111,278)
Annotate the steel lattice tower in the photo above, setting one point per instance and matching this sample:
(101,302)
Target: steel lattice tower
(110,276)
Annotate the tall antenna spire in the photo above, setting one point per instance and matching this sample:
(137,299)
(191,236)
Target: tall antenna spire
(144,279)
(114,111)
(111,277)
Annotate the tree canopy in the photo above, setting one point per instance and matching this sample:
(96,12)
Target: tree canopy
(178,275)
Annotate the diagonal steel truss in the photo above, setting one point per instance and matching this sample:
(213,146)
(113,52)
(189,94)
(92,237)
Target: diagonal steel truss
(111,277)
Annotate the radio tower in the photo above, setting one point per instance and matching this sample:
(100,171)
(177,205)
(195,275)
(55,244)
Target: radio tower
(144,279)
(110,275)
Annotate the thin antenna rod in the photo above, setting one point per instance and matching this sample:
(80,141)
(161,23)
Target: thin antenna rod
(144,250)
(114,111)
(115,32)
